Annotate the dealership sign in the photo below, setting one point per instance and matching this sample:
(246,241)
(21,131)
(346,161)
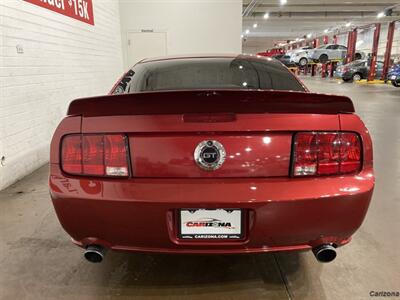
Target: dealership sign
(81,10)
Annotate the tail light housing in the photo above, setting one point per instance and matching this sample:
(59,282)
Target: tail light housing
(326,153)
(95,154)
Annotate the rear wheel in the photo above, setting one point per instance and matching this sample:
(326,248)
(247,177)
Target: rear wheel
(357,77)
(323,58)
(357,56)
(303,61)
(395,83)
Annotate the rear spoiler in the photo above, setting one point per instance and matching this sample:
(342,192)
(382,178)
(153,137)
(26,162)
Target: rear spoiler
(213,101)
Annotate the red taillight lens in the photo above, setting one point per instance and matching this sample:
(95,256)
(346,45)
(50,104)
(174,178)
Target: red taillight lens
(95,154)
(326,153)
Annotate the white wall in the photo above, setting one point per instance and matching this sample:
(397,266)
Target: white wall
(192,26)
(62,59)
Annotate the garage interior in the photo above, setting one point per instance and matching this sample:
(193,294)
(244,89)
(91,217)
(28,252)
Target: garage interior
(47,59)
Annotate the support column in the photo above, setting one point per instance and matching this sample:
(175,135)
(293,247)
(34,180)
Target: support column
(374,54)
(388,52)
(351,46)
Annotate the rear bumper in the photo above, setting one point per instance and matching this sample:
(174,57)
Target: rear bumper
(141,214)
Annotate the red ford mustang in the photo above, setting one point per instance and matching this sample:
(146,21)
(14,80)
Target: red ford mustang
(211,154)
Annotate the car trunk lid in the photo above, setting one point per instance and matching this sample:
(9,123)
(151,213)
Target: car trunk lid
(255,133)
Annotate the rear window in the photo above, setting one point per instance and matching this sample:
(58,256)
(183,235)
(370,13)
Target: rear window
(208,73)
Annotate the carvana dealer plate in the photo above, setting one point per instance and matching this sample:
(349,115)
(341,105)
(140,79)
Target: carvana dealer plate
(210,224)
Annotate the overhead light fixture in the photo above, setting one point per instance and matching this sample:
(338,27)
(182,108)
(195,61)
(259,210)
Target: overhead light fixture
(326,30)
(380,15)
(309,35)
(255,25)
(348,24)
(266,15)
(247,31)
(283,2)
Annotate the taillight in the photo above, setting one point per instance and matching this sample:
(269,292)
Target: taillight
(95,154)
(326,153)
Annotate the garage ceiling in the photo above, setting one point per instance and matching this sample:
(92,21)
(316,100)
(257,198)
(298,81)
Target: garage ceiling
(300,17)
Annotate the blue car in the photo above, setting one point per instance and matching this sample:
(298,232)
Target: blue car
(394,75)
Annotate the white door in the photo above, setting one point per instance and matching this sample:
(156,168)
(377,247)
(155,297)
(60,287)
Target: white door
(146,44)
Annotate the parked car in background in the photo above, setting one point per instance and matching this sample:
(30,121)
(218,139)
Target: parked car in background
(272,52)
(329,52)
(300,56)
(211,155)
(285,59)
(357,70)
(394,75)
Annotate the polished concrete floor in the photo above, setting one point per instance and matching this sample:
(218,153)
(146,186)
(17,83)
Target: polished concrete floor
(37,260)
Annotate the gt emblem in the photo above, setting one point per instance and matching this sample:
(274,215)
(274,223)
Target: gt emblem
(209,155)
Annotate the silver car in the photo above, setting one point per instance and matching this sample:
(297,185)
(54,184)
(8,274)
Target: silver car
(329,52)
(300,56)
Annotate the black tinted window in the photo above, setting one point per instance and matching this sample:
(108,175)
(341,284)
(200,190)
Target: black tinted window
(210,73)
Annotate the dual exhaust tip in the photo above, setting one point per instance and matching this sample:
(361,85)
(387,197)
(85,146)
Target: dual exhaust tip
(324,253)
(95,253)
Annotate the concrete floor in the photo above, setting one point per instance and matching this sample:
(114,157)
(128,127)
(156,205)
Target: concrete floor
(37,260)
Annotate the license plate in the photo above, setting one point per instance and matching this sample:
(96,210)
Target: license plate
(210,224)
(393,77)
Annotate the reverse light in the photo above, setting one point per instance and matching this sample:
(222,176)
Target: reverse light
(326,153)
(95,154)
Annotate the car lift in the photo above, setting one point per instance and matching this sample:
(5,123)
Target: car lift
(388,52)
(325,40)
(351,45)
(374,54)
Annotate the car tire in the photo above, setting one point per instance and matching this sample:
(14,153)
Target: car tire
(303,62)
(396,84)
(357,56)
(323,58)
(357,77)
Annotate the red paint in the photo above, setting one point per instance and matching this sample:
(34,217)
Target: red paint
(140,213)
(81,10)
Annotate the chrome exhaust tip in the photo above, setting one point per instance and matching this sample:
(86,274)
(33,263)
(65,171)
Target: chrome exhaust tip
(95,253)
(325,253)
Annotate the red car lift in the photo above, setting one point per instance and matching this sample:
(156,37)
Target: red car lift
(374,54)
(351,46)
(314,66)
(388,52)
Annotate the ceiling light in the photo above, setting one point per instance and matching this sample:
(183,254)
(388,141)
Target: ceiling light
(283,2)
(326,30)
(255,25)
(380,15)
(266,15)
(309,35)
(247,31)
(348,24)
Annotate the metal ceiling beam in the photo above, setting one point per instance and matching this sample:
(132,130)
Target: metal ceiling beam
(316,8)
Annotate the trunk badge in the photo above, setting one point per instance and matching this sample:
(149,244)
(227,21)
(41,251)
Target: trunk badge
(209,155)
